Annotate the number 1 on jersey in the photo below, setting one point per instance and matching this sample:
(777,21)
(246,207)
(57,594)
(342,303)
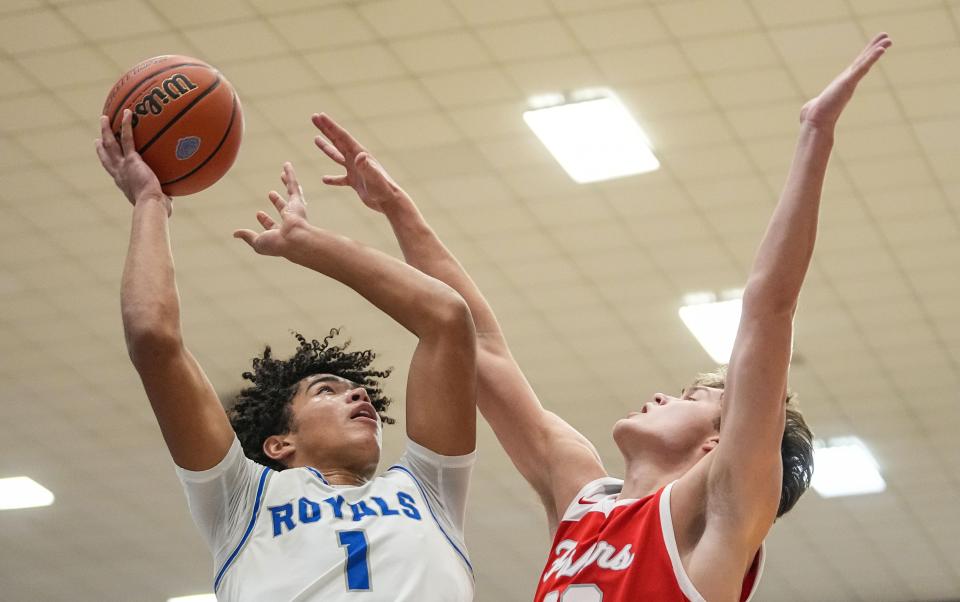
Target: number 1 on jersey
(358,563)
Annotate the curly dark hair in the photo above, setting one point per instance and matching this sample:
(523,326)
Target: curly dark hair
(264,409)
(796,447)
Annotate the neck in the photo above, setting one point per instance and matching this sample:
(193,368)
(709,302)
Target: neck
(343,476)
(341,473)
(645,475)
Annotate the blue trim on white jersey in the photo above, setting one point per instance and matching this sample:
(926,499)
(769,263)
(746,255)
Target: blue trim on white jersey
(319,476)
(243,540)
(430,509)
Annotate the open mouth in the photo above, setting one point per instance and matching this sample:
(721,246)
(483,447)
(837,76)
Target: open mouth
(364,411)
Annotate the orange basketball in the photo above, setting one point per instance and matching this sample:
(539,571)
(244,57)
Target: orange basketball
(187,120)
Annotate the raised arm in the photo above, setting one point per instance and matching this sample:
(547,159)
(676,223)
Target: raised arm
(744,480)
(192,421)
(441,386)
(552,456)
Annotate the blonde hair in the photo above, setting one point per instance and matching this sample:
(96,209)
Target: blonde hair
(796,447)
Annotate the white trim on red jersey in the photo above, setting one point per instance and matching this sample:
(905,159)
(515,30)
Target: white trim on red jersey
(669,538)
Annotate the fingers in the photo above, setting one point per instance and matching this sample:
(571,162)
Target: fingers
(105,158)
(266,221)
(289,179)
(247,236)
(329,150)
(872,53)
(277,200)
(340,137)
(336,180)
(107,139)
(126,133)
(882,37)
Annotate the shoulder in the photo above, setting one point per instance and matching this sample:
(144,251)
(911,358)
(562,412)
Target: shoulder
(593,496)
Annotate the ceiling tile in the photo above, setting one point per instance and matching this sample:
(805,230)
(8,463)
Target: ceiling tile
(614,28)
(411,131)
(562,74)
(33,111)
(358,63)
(498,11)
(777,14)
(62,68)
(395,18)
(447,51)
(387,97)
(702,17)
(731,53)
(15,79)
(235,41)
(642,64)
(469,86)
(36,31)
(528,40)
(341,27)
(756,86)
(90,18)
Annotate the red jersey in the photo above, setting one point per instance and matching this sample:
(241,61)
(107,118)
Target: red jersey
(621,551)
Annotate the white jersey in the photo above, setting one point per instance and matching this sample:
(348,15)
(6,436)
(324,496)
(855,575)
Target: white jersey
(289,535)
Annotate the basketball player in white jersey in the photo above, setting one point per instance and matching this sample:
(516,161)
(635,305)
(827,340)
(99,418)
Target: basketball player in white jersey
(707,472)
(307,518)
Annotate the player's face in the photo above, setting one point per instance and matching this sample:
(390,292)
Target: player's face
(679,425)
(334,420)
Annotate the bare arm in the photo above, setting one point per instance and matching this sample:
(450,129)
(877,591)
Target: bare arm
(552,456)
(194,424)
(744,479)
(441,387)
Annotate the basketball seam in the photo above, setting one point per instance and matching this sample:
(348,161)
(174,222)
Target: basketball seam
(226,134)
(136,87)
(177,117)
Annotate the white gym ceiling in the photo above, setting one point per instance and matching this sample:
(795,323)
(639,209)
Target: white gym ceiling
(586,279)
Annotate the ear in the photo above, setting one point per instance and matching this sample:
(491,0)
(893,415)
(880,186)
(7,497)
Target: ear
(279,447)
(711,443)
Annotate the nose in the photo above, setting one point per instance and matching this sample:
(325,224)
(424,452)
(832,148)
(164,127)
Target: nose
(660,399)
(359,394)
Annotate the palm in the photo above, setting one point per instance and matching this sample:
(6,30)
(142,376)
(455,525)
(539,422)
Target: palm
(275,237)
(825,109)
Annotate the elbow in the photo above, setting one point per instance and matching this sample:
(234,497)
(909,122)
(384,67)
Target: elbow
(451,314)
(765,298)
(150,337)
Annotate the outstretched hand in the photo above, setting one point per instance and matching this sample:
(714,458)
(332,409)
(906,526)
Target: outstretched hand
(122,161)
(274,239)
(364,174)
(824,110)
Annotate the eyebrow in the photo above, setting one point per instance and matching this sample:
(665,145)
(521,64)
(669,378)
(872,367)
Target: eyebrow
(707,390)
(330,378)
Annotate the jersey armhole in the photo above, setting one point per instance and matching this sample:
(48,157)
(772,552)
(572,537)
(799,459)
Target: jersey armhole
(679,573)
(590,489)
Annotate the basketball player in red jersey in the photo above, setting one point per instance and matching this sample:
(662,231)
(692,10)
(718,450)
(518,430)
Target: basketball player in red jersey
(708,472)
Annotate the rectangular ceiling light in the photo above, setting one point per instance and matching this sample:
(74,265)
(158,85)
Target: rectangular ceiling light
(713,322)
(844,466)
(194,598)
(23,492)
(594,139)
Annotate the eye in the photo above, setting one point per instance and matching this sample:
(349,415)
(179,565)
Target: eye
(325,389)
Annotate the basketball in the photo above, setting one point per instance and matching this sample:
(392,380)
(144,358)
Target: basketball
(187,120)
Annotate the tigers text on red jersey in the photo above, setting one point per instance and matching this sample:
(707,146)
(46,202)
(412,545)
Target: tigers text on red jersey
(621,551)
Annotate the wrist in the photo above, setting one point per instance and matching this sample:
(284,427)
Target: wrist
(301,240)
(154,199)
(399,208)
(818,128)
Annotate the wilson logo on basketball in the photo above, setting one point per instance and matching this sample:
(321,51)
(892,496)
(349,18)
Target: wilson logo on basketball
(153,101)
